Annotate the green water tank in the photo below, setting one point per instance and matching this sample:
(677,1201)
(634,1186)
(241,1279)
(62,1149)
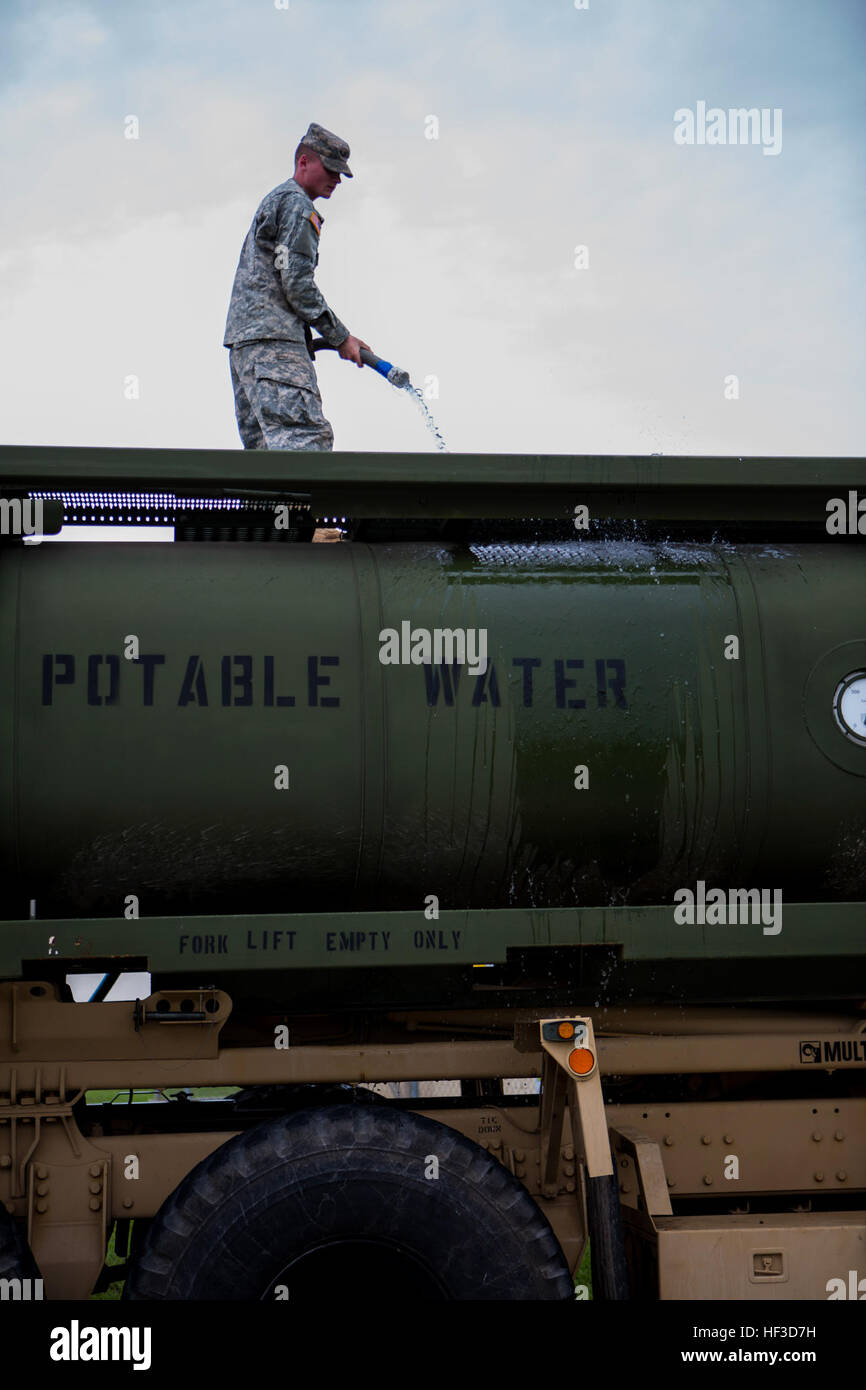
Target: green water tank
(212,727)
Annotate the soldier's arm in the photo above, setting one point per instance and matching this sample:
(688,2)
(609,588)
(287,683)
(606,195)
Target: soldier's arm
(296,247)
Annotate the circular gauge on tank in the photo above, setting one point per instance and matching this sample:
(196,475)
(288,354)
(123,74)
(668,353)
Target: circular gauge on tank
(849,706)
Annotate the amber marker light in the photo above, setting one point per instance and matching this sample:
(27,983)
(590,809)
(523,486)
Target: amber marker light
(581,1061)
(560,1029)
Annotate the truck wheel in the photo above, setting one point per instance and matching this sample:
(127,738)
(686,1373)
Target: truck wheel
(350,1201)
(16,1257)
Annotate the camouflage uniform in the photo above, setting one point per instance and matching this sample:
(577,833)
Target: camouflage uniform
(277,401)
(273,307)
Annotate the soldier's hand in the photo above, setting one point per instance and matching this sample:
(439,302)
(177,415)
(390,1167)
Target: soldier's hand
(350,349)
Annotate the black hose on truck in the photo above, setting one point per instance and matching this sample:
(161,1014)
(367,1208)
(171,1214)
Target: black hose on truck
(395,375)
(606,1243)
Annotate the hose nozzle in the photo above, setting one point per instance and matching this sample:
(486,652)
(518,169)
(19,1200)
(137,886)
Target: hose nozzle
(395,375)
(398,377)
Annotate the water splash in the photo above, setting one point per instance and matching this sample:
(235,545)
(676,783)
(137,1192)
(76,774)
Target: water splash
(428,418)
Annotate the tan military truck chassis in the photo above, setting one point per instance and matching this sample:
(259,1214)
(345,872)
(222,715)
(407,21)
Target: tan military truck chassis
(737,1186)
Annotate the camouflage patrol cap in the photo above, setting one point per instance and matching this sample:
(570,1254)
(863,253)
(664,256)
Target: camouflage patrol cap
(332,151)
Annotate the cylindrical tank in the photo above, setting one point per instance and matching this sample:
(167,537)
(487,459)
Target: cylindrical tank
(212,728)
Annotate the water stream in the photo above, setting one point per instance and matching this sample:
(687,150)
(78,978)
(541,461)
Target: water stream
(428,418)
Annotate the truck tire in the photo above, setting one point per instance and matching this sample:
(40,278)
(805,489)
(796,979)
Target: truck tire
(341,1202)
(16,1257)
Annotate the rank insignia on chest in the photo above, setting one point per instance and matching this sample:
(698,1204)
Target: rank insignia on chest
(317,222)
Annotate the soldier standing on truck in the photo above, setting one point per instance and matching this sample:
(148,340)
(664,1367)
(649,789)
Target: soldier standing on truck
(275,304)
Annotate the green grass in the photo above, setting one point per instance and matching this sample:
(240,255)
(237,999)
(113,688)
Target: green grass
(584,1271)
(115,1290)
(143,1097)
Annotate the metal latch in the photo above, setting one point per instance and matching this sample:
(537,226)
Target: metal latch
(186,1010)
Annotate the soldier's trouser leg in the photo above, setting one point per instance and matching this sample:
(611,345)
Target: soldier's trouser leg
(248,426)
(279,382)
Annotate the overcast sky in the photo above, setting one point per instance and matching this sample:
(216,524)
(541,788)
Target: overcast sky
(454,257)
